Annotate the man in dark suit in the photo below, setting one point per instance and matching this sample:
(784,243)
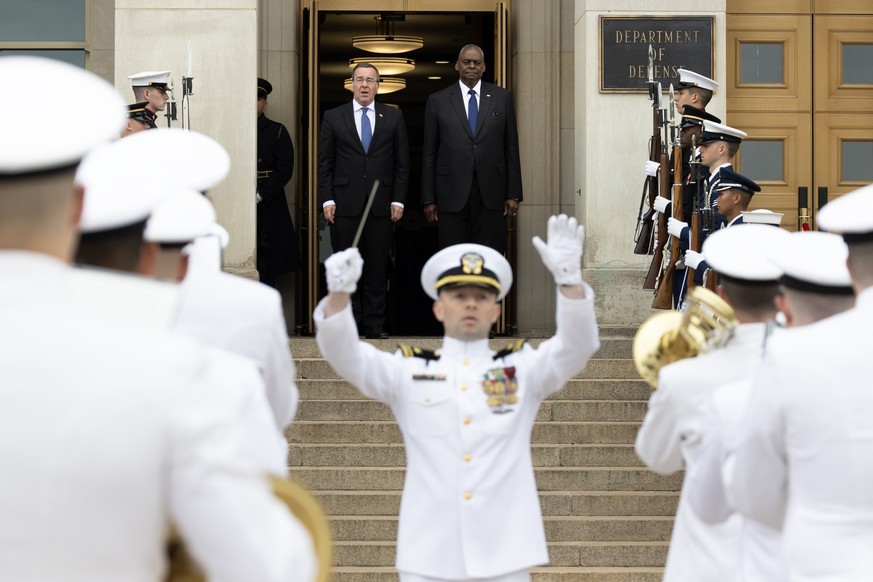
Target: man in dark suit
(278,252)
(361,142)
(471,172)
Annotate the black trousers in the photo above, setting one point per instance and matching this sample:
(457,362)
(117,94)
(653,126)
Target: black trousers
(368,302)
(475,223)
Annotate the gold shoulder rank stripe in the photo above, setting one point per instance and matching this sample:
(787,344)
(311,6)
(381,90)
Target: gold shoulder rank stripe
(510,348)
(416,352)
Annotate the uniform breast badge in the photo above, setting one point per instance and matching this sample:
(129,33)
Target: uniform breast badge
(500,385)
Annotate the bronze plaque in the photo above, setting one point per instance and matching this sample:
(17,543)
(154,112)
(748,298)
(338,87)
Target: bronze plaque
(678,42)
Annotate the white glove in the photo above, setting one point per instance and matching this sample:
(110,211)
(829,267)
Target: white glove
(563,253)
(343,269)
(655,216)
(675,227)
(258,197)
(693,259)
(652,168)
(660,203)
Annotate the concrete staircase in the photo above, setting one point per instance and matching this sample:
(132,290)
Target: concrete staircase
(607,518)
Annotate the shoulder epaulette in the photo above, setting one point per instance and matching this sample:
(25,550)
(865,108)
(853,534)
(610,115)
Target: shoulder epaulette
(415,352)
(510,349)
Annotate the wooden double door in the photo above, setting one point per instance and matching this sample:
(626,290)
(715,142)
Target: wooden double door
(800,83)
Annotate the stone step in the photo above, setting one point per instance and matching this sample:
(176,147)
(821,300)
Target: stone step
(388,432)
(548,479)
(561,554)
(575,389)
(559,410)
(553,503)
(558,529)
(610,346)
(393,455)
(386,574)
(596,369)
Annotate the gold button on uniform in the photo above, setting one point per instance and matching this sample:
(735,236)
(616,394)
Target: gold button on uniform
(427,399)
(467,458)
(466,362)
(463,388)
(466,420)
(468,496)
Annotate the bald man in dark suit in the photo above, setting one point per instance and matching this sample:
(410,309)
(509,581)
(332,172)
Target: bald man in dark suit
(471,172)
(361,142)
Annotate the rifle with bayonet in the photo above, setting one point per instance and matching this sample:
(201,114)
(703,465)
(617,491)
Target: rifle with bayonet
(694,243)
(662,182)
(643,237)
(664,289)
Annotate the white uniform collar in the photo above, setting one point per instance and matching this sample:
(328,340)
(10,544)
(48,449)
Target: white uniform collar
(457,348)
(748,334)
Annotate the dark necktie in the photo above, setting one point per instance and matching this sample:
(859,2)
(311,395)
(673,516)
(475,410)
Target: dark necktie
(473,111)
(366,130)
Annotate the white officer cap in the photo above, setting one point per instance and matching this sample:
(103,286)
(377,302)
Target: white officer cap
(157,79)
(691,79)
(112,198)
(737,252)
(220,233)
(30,138)
(813,262)
(179,217)
(467,264)
(762,216)
(850,215)
(188,158)
(713,131)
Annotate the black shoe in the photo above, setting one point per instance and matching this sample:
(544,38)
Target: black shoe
(376,333)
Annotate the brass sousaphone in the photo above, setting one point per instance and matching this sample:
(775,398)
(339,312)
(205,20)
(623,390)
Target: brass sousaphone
(706,323)
(302,505)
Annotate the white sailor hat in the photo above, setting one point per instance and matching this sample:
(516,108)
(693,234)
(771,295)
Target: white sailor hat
(179,217)
(32,141)
(691,79)
(157,79)
(467,264)
(188,158)
(737,253)
(762,216)
(719,132)
(812,261)
(112,199)
(850,215)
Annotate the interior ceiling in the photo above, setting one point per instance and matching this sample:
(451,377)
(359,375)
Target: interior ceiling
(443,34)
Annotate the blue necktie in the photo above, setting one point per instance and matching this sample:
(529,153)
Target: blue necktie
(473,111)
(366,130)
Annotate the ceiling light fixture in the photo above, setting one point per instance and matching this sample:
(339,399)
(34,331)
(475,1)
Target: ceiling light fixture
(385,42)
(386,65)
(386,85)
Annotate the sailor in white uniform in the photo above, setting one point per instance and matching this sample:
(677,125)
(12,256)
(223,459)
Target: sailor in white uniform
(470,509)
(804,462)
(670,437)
(108,432)
(816,285)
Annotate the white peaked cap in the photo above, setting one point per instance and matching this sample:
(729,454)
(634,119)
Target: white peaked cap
(31,138)
(738,252)
(179,217)
(812,261)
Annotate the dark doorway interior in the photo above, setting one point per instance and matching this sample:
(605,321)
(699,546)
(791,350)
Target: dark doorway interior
(409,309)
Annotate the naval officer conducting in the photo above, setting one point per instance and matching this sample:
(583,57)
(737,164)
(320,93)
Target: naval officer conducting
(470,509)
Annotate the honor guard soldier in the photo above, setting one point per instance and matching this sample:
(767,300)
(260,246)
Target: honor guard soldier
(111,432)
(137,118)
(469,509)
(804,463)
(670,437)
(278,251)
(151,87)
(693,89)
(815,285)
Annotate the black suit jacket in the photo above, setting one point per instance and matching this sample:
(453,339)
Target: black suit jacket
(451,153)
(346,173)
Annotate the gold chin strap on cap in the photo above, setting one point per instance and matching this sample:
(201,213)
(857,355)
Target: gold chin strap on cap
(707,323)
(300,502)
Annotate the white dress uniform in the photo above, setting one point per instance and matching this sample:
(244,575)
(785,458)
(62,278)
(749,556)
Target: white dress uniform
(807,452)
(244,317)
(109,434)
(670,439)
(469,508)
(708,484)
